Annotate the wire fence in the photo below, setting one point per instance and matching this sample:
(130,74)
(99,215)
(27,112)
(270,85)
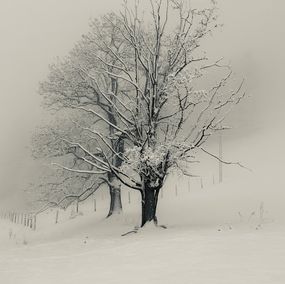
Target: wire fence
(25,219)
(29,220)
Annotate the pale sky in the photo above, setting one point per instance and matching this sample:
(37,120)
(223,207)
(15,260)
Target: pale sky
(34,32)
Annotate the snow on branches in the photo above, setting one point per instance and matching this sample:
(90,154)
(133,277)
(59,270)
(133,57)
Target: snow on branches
(153,95)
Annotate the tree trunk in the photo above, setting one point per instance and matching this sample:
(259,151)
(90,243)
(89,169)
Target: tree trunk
(114,183)
(149,205)
(115,202)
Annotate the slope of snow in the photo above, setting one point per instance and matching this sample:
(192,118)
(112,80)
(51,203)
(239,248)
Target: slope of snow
(236,254)
(229,233)
(207,241)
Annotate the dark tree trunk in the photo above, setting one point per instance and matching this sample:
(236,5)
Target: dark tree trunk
(149,205)
(115,200)
(114,183)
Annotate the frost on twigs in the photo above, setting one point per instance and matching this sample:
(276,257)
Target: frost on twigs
(145,93)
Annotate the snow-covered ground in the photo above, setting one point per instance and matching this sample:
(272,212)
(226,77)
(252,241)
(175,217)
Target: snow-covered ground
(229,233)
(207,241)
(178,255)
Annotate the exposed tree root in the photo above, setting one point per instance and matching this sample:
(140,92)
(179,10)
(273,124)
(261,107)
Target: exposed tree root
(134,231)
(137,229)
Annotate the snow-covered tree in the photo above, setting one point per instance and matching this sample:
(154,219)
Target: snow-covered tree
(160,96)
(54,187)
(67,88)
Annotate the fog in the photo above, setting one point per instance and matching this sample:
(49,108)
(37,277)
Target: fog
(35,32)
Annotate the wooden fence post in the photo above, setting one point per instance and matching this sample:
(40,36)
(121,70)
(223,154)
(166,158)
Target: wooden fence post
(31,221)
(56,216)
(77,205)
(221,158)
(129,197)
(35,222)
(28,220)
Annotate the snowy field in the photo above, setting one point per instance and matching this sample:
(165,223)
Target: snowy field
(238,241)
(232,233)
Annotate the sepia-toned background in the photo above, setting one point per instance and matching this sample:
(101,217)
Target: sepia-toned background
(34,32)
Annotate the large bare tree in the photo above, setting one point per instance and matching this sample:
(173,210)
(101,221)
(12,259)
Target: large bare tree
(158,97)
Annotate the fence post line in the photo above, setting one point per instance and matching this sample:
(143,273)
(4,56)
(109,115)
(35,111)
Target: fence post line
(176,190)
(94,204)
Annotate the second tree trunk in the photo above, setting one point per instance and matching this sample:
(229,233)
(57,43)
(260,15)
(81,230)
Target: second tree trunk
(115,200)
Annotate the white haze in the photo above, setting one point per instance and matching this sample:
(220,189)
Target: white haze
(34,32)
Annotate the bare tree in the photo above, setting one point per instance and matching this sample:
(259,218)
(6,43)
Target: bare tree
(158,97)
(68,88)
(56,187)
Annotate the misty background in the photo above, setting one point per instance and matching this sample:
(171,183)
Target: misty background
(35,32)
